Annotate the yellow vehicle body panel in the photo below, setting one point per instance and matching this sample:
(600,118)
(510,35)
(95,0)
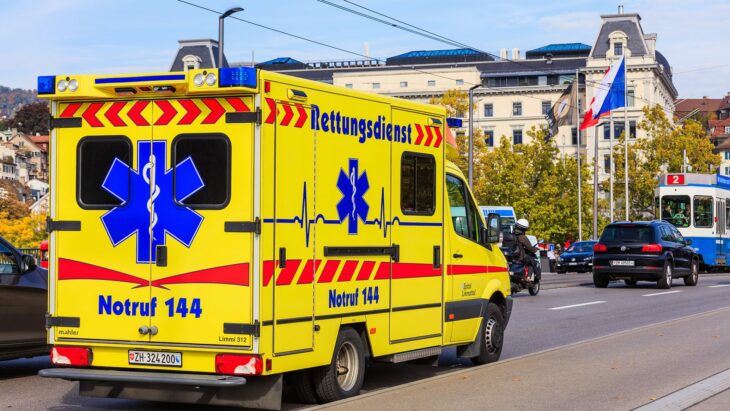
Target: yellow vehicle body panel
(256,219)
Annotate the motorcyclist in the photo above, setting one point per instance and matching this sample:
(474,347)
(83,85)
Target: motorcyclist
(527,251)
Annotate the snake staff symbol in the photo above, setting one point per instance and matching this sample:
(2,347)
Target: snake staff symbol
(353,187)
(148,208)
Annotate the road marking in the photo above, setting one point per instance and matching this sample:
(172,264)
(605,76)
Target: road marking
(691,395)
(576,305)
(718,286)
(662,293)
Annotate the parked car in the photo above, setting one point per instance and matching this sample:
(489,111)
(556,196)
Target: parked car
(644,251)
(23,296)
(578,257)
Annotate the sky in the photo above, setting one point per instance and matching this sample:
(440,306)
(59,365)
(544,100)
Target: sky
(46,37)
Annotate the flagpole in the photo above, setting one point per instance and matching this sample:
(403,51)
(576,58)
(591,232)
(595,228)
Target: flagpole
(577,126)
(595,180)
(626,141)
(610,166)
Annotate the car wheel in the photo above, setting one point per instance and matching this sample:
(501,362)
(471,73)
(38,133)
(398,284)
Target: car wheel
(666,281)
(694,275)
(303,386)
(631,283)
(490,345)
(599,282)
(343,377)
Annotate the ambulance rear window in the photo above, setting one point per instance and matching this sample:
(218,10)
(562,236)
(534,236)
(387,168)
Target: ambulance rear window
(418,184)
(95,158)
(211,155)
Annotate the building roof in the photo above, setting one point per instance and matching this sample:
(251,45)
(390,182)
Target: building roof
(705,105)
(560,50)
(717,127)
(39,139)
(628,24)
(531,67)
(286,63)
(439,56)
(205,49)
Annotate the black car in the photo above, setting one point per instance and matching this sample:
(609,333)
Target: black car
(578,257)
(23,296)
(644,251)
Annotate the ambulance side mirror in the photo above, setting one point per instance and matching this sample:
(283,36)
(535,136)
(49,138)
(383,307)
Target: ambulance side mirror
(494,227)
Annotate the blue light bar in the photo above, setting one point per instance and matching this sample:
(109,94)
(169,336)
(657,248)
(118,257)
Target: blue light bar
(454,122)
(46,84)
(237,77)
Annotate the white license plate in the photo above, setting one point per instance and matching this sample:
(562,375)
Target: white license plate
(166,358)
(626,263)
(572,263)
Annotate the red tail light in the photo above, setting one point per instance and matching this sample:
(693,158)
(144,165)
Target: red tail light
(651,248)
(236,364)
(71,356)
(599,247)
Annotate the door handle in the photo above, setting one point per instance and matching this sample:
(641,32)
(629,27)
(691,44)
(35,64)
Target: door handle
(457,255)
(161,256)
(282,257)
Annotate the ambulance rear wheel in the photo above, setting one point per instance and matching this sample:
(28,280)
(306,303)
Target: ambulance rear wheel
(344,376)
(303,386)
(490,345)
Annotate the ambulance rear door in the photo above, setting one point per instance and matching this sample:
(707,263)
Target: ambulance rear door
(203,225)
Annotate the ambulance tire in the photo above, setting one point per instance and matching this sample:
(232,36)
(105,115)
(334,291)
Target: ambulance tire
(303,386)
(492,336)
(349,357)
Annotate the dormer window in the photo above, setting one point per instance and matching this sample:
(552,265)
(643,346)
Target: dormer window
(618,49)
(191,62)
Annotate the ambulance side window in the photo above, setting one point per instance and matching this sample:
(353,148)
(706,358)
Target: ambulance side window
(210,153)
(95,157)
(464,214)
(417,184)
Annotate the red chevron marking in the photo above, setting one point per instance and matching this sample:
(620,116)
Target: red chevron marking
(168,112)
(271,118)
(192,111)
(347,271)
(112,114)
(238,104)
(286,275)
(310,268)
(70,110)
(383,272)
(430,136)
(135,113)
(437,143)
(288,114)
(328,273)
(419,130)
(90,114)
(216,110)
(365,270)
(302,116)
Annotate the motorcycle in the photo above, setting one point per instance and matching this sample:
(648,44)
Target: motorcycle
(521,276)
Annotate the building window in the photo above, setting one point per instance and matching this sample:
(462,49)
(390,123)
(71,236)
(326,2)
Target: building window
(488,110)
(574,136)
(546,108)
(191,62)
(727,129)
(607,131)
(459,82)
(727,173)
(489,138)
(376,85)
(418,184)
(727,155)
(403,84)
(632,129)
(618,48)
(431,83)
(607,163)
(348,85)
(630,97)
(516,109)
(517,136)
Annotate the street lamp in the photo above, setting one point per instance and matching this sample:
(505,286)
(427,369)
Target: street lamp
(220,32)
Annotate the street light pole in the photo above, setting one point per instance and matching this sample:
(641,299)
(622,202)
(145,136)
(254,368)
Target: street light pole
(471,135)
(220,32)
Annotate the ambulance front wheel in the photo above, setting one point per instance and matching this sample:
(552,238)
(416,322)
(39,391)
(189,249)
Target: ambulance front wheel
(344,376)
(492,336)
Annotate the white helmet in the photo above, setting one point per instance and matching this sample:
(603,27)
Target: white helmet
(522,223)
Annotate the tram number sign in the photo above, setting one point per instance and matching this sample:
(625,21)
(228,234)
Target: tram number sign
(675,179)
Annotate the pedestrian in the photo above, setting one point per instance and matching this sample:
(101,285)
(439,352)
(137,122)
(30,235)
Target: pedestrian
(551,260)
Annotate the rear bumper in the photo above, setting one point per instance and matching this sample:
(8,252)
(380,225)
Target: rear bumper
(254,392)
(579,266)
(645,273)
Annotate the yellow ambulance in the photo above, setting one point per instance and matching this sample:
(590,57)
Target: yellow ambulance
(218,233)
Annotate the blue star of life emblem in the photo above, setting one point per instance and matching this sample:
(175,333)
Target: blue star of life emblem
(353,187)
(148,207)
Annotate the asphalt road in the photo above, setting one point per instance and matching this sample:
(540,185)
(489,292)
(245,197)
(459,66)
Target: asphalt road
(562,325)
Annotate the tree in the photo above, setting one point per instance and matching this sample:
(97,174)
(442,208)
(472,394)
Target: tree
(9,203)
(660,152)
(24,232)
(31,119)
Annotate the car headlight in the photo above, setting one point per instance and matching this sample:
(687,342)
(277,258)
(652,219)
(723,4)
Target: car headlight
(589,258)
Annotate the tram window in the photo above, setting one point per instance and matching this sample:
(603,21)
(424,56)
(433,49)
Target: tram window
(727,216)
(675,209)
(703,211)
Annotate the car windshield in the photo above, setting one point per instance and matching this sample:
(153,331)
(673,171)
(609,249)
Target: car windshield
(581,248)
(7,261)
(627,234)
(675,209)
